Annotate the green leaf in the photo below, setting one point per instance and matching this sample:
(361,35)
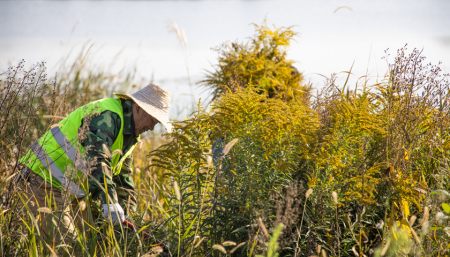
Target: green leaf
(446,208)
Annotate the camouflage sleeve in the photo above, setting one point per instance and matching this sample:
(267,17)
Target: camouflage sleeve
(102,130)
(125,187)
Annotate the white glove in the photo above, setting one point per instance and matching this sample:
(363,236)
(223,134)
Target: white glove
(114,211)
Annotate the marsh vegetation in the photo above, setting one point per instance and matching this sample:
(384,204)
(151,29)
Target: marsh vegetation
(268,169)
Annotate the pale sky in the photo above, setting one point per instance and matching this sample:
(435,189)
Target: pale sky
(332,34)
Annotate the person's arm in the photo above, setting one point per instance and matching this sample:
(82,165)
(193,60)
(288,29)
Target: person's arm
(125,187)
(101,133)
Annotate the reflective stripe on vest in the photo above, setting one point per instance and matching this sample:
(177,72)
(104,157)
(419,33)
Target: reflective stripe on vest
(49,164)
(69,150)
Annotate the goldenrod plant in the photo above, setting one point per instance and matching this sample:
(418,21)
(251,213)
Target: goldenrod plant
(268,169)
(261,63)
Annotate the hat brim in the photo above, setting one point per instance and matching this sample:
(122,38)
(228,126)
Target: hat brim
(156,113)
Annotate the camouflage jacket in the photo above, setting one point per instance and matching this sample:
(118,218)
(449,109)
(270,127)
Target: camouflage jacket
(103,130)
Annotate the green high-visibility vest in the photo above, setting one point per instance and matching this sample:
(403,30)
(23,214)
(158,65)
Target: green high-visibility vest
(58,156)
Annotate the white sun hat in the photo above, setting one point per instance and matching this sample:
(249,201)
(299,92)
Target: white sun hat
(154,101)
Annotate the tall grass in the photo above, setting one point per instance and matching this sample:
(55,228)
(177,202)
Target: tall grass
(30,103)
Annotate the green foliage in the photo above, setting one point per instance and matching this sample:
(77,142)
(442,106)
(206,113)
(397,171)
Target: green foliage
(272,248)
(274,139)
(399,243)
(261,64)
(370,155)
(229,162)
(188,178)
(222,188)
(350,130)
(380,150)
(356,172)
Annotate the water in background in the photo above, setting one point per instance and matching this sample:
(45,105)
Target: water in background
(170,42)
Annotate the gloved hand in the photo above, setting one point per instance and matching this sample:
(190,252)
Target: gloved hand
(114,211)
(129,225)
